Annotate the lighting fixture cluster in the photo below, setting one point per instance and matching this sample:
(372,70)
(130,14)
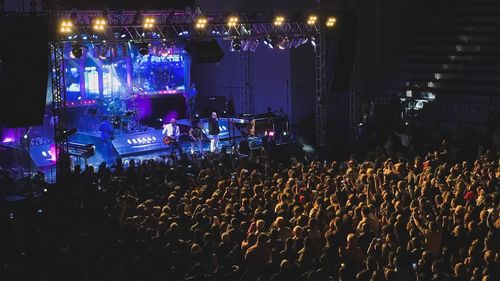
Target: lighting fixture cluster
(99,24)
(312,20)
(149,22)
(330,22)
(66,26)
(232,21)
(201,23)
(279,20)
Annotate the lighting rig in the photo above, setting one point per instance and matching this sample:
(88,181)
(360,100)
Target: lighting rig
(246,32)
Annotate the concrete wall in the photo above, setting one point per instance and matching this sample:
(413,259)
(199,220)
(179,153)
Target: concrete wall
(385,28)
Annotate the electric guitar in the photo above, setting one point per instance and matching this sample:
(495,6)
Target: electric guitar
(168,140)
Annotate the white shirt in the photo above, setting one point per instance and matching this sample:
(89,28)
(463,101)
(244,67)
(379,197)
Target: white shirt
(171,131)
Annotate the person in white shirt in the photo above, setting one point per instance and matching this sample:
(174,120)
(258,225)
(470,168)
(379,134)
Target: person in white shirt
(172,132)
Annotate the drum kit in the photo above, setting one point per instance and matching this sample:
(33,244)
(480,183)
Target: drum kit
(122,114)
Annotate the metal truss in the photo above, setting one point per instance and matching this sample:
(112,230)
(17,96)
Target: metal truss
(246,82)
(179,26)
(320,112)
(176,25)
(59,105)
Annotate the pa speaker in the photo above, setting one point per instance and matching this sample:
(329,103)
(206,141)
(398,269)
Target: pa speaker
(23,69)
(204,51)
(346,48)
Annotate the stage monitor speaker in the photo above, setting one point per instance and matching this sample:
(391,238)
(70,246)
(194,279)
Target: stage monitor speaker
(204,51)
(207,105)
(346,48)
(23,69)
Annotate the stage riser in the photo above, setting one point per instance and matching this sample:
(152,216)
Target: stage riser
(139,143)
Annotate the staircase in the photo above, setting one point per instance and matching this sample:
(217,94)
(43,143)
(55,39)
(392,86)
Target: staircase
(454,56)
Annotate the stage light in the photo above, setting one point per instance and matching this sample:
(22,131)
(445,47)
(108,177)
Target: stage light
(99,24)
(77,50)
(103,54)
(313,41)
(144,49)
(236,45)
(282,43)
(201,23)
(149,22)
(268,41)
(330,22)
(66,26)
(8,139)
(278,21)
(232,21)
(312,20)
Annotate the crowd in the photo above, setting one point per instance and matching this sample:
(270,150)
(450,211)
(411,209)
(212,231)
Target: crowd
(225,218)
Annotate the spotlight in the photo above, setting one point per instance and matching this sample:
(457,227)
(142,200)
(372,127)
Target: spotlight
(103,54)
(77,50)
(250,45)
(312,20)
(253,45)
(201,23)
(330,22)
(313,41)
(99,24)
(236,45)
(269,42)
(282,43)
(149,22)
(66,26)
(232,21)
(278,21)
(144,49)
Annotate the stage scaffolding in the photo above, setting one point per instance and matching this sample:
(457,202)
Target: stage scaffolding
(246,82)
(179,26)
(59,106)
(320,112)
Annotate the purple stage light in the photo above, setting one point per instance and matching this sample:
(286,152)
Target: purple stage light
(8,135)
(52,153)
(145,108)
(170,115)
(8,139)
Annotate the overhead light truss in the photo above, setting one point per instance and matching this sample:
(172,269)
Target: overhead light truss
(177,25)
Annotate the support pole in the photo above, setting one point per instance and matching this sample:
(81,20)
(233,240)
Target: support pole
(59,109)
(320,112)
(246,82)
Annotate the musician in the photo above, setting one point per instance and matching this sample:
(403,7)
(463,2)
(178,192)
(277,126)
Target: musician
(230,107)
(213,131)
(106,129)
(196,135)
(116,106)
(172,132)
(190,98)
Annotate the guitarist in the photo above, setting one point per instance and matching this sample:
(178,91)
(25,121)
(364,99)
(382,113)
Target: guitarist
(171,133)
(196,135)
